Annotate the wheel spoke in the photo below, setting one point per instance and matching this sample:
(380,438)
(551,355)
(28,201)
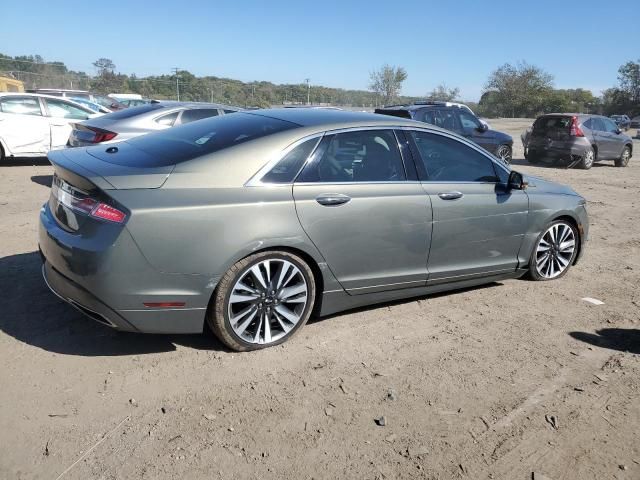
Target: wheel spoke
(283,273)
(292,291)
(257,274)
(242,297)
(256,337)
(568,245)
(267,328)
(562,262)
(241,327)
(283,325)
(287,314)
(301,299)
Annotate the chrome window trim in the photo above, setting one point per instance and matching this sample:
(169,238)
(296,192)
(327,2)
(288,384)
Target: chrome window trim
(256,179)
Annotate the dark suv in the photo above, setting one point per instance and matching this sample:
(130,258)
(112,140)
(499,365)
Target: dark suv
(623,121)
(459,119)
(577,140)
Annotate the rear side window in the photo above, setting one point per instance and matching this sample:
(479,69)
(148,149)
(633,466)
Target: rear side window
(133,111)
(167,120)
(186,142)
(393,113)
(449,160)
(21,105)
(230,111)
(198,114)
(288,167)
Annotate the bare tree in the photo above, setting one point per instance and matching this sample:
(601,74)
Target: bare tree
(443,93)
(104,66)
(387,82)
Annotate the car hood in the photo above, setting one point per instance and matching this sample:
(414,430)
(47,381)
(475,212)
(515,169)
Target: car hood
(501,137)
(539,185)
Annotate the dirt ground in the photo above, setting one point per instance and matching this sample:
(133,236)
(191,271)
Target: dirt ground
(515,380)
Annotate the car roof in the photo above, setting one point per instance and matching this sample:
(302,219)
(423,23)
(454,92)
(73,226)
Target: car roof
(330,118)
(174,103)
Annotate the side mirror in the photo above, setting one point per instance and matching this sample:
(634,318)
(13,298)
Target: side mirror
(516,181)
(618,131)
(482,128)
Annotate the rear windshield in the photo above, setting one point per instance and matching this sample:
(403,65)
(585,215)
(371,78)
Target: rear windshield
(544,124)
(186,142)
(133,111)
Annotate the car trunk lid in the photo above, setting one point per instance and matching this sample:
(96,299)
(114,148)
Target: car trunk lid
(554,127)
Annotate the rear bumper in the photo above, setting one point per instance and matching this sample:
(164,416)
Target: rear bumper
(109,280)
(565,150)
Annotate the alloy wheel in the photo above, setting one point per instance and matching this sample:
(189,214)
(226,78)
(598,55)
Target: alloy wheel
(587,162)
(555,250)
(504,154)
(267,301)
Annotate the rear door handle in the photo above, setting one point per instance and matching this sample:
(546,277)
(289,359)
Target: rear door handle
(450,195)
(332,199)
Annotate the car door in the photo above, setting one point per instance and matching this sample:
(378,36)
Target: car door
(368,217)
(478,224)
(61,115)
(615,139)
(23,127)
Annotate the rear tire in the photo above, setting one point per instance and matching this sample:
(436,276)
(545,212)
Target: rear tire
(587,160)
(623,161)
(262,301)
(531,157)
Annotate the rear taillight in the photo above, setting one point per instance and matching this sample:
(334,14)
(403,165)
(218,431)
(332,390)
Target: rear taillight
(93,134)
(576,131)
(107,212)
(70,198)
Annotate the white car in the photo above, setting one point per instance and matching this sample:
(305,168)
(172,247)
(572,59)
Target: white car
(32,124)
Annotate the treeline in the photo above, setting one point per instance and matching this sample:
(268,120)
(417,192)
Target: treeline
(525,90)
(36,73)
(520,90)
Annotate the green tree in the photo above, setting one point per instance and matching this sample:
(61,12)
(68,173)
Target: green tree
(519,90)
(387,82)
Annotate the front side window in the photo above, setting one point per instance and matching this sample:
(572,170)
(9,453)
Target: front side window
(597,124)
(468,121)
(20,105)
(610,126)
(62,109)
(448,160)
(359,156)
(288,167)
(197,114)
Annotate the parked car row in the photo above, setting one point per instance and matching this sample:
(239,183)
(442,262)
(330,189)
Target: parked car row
(251,222)
(576,140)
(458,118)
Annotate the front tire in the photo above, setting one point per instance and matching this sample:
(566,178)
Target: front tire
(623,161)
(554,252)
(262,301)
(531,156)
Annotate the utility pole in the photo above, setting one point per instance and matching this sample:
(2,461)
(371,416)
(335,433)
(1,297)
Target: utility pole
(308,90)
(175,71)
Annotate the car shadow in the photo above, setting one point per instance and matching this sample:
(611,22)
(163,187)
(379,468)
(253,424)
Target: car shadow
(33,315)
(24,161)
(622,339)
(44,180)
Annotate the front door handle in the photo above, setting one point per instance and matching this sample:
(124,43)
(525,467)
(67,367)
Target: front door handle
(332,199)
(450,195)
